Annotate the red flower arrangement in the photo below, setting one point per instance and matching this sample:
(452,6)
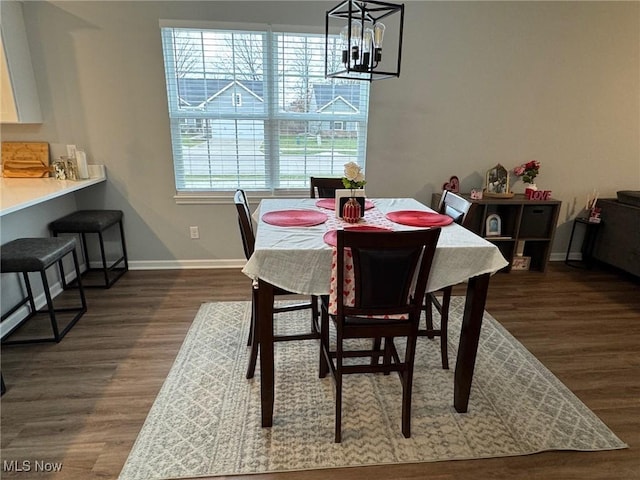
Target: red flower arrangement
(528,171)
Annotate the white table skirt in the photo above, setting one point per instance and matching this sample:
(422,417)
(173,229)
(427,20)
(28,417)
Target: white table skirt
(297,258)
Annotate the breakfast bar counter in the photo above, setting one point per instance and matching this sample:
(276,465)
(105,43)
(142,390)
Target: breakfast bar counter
(19,193)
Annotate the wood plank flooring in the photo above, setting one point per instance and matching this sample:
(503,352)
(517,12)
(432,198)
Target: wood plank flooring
(82,402)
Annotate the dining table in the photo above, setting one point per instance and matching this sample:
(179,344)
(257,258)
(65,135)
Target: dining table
(292,252)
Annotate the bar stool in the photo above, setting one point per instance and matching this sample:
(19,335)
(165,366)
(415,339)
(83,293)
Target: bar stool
(95,221)
(25,255)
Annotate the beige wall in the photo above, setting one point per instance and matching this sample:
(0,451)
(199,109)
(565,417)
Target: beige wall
(481,83)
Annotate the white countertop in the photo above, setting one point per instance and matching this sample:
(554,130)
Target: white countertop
(19,193)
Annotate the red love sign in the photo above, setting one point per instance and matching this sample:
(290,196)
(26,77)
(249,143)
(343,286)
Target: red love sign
(537,194)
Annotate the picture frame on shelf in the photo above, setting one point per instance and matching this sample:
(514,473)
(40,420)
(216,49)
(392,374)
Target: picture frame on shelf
(521,263)
(493,227)
(497,183)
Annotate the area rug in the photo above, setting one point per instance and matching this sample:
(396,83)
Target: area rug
(206,418)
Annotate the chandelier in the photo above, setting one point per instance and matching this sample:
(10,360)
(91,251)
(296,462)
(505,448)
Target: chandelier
(356,53)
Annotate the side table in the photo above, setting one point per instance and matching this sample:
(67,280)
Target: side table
(588,241)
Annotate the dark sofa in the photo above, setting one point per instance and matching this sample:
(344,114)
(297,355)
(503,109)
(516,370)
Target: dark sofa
(618,239)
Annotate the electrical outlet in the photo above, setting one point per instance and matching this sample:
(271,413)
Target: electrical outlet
(195,233)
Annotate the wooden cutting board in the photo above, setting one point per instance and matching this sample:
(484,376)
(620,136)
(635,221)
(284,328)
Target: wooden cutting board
(25,159)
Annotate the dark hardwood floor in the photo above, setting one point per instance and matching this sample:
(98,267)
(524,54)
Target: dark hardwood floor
(82,402)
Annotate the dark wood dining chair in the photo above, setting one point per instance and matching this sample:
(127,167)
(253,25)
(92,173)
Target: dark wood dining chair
(384,267)
(248,244)
(324,186)
(456,207)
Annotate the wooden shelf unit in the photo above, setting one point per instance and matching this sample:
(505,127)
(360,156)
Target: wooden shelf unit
(532,222)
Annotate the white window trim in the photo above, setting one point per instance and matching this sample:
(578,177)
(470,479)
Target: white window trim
(185,197)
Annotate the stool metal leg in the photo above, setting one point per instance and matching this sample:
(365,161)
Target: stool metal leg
(27,284)
(105,270)
(52,312)
(124,246)
(63,278)
(76,264)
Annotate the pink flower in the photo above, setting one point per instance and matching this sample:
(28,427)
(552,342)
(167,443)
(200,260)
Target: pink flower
(528,171)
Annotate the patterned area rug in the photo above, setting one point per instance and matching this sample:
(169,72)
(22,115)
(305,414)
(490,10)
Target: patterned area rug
(206,418)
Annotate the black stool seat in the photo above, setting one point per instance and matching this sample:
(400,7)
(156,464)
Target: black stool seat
(84,222)
(24,255)
(34,254)
(87,221)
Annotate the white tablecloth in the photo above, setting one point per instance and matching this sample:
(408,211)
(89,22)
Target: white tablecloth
(297,258)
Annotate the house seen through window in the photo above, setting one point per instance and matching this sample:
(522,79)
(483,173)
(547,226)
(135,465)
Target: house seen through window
(252,109)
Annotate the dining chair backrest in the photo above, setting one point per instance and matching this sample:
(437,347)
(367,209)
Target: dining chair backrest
(455,206)
(244,221)
(391,270)
(324,186)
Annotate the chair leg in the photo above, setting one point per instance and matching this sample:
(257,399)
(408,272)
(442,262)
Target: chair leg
(338,381)
(407,384)
(325,356)
(428,312)
(388,347)
(444,323)
(252,321)
(315,314)
(253,355)
(375,358)
(250,336)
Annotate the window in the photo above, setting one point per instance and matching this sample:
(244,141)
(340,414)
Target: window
(251,109)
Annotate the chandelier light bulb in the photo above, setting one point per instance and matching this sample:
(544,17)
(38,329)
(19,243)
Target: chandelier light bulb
(356,32)
(368,38)
(378,34)
(344,37)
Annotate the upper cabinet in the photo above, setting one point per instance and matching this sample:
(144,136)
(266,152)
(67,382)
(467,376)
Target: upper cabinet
(19,101)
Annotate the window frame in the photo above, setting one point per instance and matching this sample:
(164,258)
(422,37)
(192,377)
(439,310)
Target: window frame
(271,117)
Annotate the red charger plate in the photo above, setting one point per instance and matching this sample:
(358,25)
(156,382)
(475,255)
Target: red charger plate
(294,218)
(419,218)
(331,237)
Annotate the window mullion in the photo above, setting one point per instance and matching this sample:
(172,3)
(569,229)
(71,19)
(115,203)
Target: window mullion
(272,138)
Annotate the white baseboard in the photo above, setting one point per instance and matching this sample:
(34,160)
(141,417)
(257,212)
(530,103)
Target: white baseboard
(185,264)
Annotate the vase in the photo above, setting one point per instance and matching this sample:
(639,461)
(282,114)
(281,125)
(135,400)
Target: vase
(529,190)
(351,211)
